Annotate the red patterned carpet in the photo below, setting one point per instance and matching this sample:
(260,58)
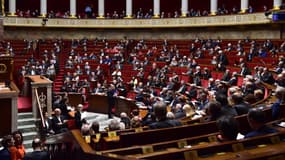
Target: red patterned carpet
(24,104)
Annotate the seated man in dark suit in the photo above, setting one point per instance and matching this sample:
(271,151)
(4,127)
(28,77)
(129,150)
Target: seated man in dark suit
(77,116)
(48,128)
(239,104)
(160,112)
(256,119)
(58,122)
(267,77)
(38,153)
(7,142)
(213,110)
(228,127)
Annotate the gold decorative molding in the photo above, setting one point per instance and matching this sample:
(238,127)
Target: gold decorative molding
(213,13)
(276,8)
(43,15)
(183,15)
(3,68)
(100,17)
(3,7)
(225,20)
(243,10)
(12,14)
(72,16)
(129,17)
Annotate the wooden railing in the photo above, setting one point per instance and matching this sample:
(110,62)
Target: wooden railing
(226,20)
(207,147)
(71,146)
(39,108)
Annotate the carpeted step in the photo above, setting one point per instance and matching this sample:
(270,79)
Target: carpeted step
(24,104)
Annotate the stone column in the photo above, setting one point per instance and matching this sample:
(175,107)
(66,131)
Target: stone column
(243,6)
(49,99)
(2,7)
(129,8)
(43,8)
(14,114)
(101,9)
(72,8)
(34,102)
(184,8)
(156,8)
(277,4)
(12,7)
(214,7)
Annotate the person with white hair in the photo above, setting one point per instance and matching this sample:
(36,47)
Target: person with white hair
(280,80)
(125,120)
(59,123)
(189,110)
(114,125)
(222,58)
(170,115)
(78,116)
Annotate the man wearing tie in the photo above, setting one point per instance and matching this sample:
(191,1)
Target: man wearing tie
(48,130)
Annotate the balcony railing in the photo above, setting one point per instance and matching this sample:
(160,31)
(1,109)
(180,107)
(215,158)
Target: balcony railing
(225,20)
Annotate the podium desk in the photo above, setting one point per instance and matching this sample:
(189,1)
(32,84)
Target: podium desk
(8,109)
(43,86)
(99,104)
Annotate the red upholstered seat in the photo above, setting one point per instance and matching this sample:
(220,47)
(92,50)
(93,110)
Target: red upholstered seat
(71,124)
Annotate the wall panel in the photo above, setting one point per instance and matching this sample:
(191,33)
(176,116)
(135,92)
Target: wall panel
(256,32)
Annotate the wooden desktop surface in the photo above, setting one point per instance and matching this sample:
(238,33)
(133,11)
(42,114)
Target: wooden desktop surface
(37,79)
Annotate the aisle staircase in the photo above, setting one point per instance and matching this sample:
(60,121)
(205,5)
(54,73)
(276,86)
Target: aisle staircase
(27,125)
(58,82)
(59,79)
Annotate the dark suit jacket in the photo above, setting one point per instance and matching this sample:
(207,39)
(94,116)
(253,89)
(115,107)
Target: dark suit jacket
(245,71)
(48,127)
(226,77)
(233,81)
(261,131)
(223,59)
(164,124)
(55,123)
(77,117)
(268,78)
(182,89)
(242,108)
(5,154)
(37,155)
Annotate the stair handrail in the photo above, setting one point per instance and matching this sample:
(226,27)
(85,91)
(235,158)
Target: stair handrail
(40,108)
